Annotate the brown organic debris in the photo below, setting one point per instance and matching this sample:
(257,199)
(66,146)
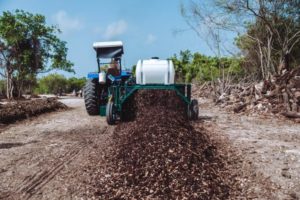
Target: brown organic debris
(279,94)
(14,111)
(160,155)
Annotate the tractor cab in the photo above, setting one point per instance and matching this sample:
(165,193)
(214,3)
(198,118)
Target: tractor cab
(109,57)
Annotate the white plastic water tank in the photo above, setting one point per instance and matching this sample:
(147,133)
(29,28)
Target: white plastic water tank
(155,71)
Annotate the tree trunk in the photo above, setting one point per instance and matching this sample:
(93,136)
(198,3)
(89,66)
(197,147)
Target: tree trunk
(287,61)
(20,84)
(284,62)
(261,61)
(9,84)
(268,57)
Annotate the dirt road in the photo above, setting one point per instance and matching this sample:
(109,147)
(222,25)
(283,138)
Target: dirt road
(47,157)
(269,146)
(39,156)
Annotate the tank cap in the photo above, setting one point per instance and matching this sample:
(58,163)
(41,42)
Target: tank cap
(155,58)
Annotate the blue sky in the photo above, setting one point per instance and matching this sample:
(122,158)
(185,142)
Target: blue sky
(146,27)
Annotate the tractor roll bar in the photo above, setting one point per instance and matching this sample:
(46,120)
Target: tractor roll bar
(112,49)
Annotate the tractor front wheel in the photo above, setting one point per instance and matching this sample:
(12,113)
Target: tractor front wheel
(193,110)
(110,113)
(91,98)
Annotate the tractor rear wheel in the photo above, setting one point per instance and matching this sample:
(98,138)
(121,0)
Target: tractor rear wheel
(110,113)
(91,98)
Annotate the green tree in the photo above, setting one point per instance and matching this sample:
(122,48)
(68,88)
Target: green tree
(27,47)
(133,69)
(56,84)
(182,65)
(76,84)
(268,31)
(197,67)
(52,84)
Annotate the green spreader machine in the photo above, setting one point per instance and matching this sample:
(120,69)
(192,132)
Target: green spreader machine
(105,92)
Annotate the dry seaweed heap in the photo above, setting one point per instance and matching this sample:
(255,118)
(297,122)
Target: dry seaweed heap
(23,109)
(159,155)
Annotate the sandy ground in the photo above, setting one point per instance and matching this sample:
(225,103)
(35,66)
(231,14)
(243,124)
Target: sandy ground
(40,158)
(269,145)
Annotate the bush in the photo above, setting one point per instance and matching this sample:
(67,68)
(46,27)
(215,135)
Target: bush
(75,84)
(53,83)
(197,67)
(58,84)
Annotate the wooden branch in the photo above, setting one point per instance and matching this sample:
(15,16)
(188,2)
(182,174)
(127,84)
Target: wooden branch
(292,46)
(262,18)
(286,101)
(239,108)
(295,35)
(291,114)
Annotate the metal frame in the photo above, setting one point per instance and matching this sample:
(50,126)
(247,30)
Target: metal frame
(119,93)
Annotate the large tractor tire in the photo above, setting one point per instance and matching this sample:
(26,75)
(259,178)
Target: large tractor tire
(91,98)
(110,113)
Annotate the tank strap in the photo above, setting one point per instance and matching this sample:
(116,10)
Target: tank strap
(142,79)
(168,71)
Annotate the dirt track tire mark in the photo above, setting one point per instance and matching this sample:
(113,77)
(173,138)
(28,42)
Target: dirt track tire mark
(33,184)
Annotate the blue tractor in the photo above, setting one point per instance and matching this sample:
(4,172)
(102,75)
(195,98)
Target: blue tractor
(107,90)
(96,90)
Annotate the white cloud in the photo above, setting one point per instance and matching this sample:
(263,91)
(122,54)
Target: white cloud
(66,23)
(151,39)
(98,30)
(115,29)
